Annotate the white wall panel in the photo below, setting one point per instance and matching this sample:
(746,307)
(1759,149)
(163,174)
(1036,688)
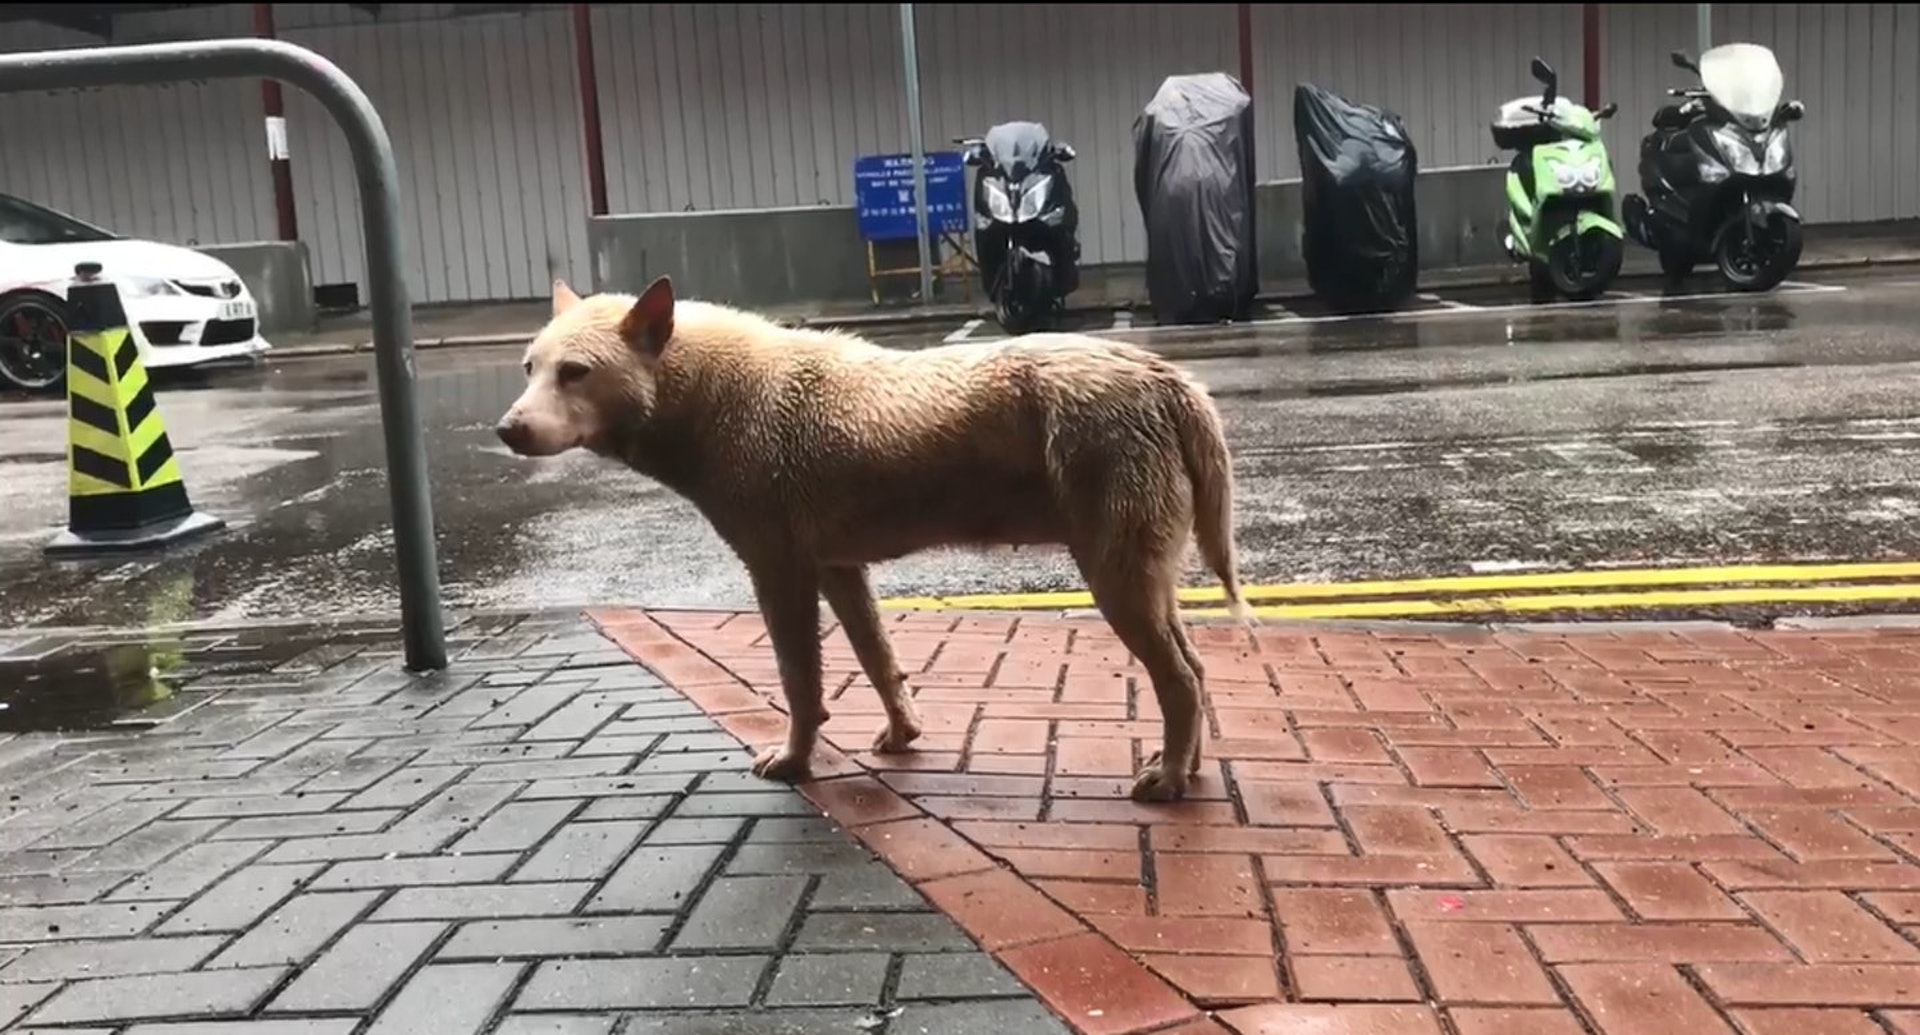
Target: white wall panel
(754,105)
(182,162)
(1445,69)
(483,111)
(1086,72)
(484,114)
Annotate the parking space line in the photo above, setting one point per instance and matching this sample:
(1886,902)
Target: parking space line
(1801,285)
(1518,307)
(965,329)
(1448,303)
(1122,319)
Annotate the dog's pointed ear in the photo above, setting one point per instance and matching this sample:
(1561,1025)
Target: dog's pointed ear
(649,324)
(563,297)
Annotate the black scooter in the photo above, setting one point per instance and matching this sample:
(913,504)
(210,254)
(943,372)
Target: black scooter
(1025,222)
(1718,174)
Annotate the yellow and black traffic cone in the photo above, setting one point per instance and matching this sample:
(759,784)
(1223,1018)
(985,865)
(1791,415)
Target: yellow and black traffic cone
(124,490)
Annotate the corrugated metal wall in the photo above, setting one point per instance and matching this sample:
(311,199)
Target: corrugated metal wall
(753,105)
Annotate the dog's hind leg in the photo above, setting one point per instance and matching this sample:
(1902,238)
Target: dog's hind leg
(789,597)
(1137,599)
(851,598)
(1178,630)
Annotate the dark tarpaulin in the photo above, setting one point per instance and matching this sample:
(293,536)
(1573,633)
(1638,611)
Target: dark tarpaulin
(1193,174)
(1357,168)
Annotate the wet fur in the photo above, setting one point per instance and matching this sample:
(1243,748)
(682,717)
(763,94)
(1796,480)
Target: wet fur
(816,453)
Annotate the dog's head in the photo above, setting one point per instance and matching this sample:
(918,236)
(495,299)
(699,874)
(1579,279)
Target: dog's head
(593,363)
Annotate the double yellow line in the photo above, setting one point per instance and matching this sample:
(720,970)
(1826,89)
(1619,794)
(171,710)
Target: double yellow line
(1534,592)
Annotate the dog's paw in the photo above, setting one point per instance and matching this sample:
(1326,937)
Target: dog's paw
(777,763)
(1155,783)
(1193,765)
(892,740)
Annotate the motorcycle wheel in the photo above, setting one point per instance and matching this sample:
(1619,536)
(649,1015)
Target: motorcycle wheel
(1583,264)
(1774,253)
(1023,300)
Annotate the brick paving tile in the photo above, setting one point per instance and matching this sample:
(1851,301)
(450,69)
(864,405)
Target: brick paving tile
(1607,830)
(544,838)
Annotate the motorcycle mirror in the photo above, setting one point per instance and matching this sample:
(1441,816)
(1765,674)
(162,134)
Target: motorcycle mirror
(1608,111)
(1792,111)
(1542,72)
(1684,63)
(1066,152)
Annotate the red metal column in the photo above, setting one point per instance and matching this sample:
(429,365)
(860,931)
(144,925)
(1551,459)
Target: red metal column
(590,107)
(1590,43)
(278,161)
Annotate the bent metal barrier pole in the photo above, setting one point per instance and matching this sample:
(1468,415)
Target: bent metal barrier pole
(422,624)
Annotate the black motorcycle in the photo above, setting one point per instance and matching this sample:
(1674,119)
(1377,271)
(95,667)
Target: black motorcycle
(1025,222)
(1717,172)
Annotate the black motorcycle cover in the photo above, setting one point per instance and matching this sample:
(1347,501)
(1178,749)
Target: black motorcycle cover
(1193,174)
(1357,167)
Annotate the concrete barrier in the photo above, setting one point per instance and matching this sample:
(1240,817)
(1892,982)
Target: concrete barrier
(786,256)
(280,276)
(746,257)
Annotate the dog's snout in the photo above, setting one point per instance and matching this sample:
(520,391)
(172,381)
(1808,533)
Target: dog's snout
(512,432)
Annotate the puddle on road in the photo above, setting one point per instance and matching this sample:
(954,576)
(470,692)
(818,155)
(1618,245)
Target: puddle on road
(92,689)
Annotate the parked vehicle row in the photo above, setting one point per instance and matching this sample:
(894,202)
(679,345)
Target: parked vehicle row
(1716,176)
(1716,179)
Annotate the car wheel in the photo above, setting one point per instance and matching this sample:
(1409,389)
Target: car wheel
(33,341)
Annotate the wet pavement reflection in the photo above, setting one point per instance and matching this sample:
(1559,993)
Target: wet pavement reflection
(1687,430)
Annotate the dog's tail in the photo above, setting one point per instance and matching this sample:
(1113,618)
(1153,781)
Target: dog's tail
(1203,444)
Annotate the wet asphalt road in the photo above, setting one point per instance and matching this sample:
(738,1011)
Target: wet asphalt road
(1635,431)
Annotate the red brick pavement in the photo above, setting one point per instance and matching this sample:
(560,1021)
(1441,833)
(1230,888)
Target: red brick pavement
(1397,833)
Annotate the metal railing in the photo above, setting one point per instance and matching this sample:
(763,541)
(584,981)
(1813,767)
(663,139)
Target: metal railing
(423,625)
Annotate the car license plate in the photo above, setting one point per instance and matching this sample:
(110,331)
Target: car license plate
(236,310)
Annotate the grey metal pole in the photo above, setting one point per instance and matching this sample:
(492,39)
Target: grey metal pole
(422,623)
(1703,27)
(911,52)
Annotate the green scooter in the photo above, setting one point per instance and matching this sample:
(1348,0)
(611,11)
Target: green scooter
(1561,216)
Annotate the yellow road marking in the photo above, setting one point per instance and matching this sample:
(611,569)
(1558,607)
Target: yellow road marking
(1561,580)
(1681,598)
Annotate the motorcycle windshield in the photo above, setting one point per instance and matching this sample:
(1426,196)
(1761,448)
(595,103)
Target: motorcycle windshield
(1744,79)
(1016,147)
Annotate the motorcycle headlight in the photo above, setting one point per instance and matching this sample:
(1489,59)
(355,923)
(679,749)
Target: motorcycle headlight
(144,287)
(997,204)
(1034,198)
(1736,151)
(1777,157)
(1578,175)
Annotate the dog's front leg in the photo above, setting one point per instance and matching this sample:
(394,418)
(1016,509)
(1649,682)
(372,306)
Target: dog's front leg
(789,597)
(851,598)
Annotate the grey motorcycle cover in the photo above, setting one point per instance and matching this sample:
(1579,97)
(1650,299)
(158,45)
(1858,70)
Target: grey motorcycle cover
(1357,168)
(1193,174)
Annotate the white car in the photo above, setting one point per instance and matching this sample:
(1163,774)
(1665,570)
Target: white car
(187,308)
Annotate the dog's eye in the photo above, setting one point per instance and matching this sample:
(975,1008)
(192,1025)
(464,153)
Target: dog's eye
(527,367)
(570,372)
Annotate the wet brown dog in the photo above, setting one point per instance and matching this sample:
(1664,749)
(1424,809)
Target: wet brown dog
(815,454)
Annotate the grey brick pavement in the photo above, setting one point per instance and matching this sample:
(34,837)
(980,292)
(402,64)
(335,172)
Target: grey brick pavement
(542,840)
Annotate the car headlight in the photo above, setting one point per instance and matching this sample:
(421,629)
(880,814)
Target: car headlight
(1578,175)
(145,287)
(1777,157)
(1735,151)
(997,204)
(1034,198)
